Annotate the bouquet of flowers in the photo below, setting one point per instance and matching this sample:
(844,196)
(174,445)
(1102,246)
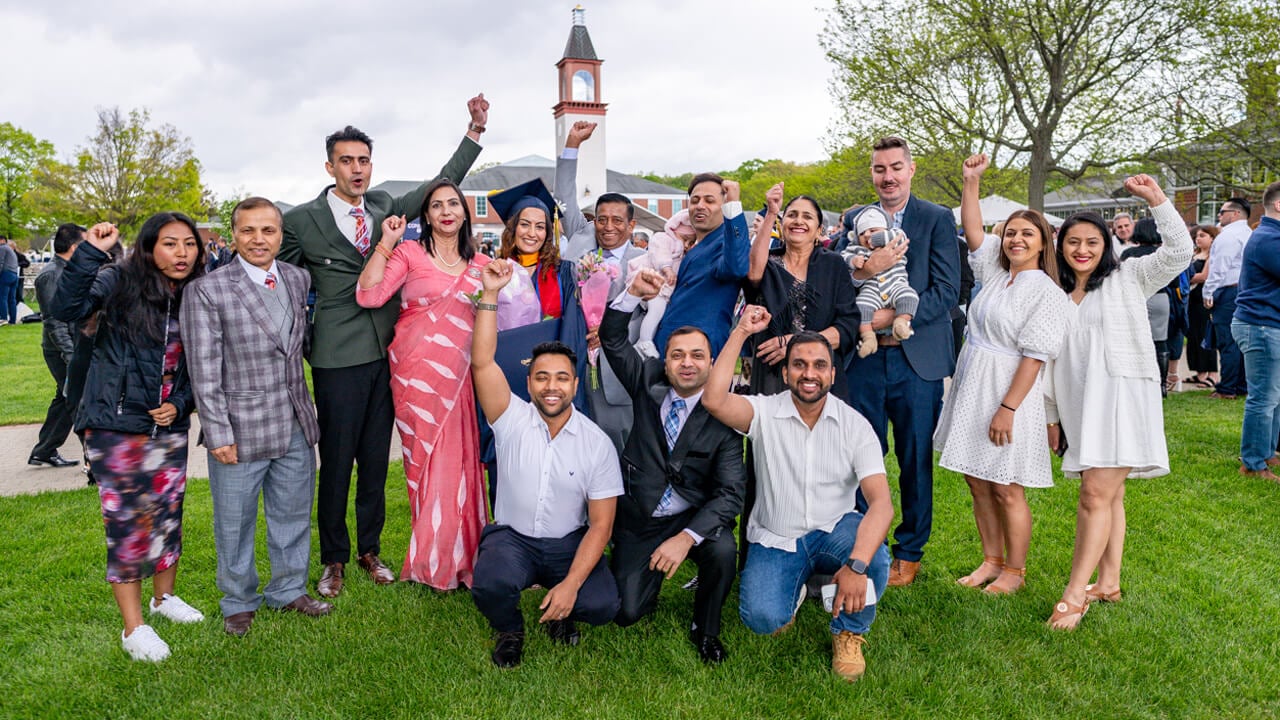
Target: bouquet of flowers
(594,278)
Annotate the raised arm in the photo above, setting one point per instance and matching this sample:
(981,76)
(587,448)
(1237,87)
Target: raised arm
(625,360)
(730,409)
(760,246)
(1175,251)
(970,196)
(82,289)
(733,263)
(385,272)
(492,389)
(576,227)
(458,164)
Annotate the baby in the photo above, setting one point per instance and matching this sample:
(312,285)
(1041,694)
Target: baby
(888,289)
(664,254)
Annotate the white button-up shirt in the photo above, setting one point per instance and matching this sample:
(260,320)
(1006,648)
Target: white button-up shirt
(1225,256)
(806,479)
(343,218)
(258,276)
(546,482)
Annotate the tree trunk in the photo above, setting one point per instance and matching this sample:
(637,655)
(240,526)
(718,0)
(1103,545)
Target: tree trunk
(1037,174)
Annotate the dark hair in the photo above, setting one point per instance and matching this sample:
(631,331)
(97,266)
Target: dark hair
(808,336)
(548,254)
(815,204)
(612,197)
(1241,203)
(346,134)
(254,203)
(466,244)
(1210,230)
(1270,195)
(1145,233)
(705,177)
(1048,251)
(1106,264)
(553,347)
(67,235)
(889,142)
(136,308)
(687,330)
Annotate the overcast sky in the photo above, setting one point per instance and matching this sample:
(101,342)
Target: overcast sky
(257,84)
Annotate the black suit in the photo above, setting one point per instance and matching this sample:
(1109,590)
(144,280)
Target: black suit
(705,468)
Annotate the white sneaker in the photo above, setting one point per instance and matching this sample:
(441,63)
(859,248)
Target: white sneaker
(145,644)
(176,609)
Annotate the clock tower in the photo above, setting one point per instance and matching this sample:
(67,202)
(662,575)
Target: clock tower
(580,99)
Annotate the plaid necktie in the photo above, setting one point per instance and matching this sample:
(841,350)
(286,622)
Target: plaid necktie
(671,426)
(271,281)
(362,231)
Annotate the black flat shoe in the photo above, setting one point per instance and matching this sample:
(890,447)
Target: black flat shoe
(53,460)
(709,648)
(564,632)
(509,649)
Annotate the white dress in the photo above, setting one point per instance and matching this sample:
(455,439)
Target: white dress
(1126,418)
(1007,321)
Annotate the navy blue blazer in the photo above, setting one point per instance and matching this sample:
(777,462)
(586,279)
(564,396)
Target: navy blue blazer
(933,268)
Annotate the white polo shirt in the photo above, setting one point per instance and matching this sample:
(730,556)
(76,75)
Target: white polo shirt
(806,479)
(545,482)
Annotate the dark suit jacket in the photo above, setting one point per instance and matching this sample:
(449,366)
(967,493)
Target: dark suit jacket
(933,269)
(249,383)
(705,466)
(345,333)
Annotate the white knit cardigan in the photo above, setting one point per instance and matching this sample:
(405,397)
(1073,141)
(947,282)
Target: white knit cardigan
(1129,350)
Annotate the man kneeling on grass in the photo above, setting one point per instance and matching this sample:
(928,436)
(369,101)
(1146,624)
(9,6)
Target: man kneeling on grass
(812,454)
(555,505)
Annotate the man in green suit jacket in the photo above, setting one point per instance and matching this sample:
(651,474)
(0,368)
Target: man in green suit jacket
(332,236)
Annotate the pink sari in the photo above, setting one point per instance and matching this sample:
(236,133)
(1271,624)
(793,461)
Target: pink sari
(435,413)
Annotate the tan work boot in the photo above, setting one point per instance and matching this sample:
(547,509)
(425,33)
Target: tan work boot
(846,655)
(902,572)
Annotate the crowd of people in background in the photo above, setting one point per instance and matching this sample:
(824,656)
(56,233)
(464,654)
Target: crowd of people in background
(572,399)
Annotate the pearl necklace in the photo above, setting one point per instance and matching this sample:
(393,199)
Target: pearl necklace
(440,260)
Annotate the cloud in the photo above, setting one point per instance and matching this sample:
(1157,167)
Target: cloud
(257,85)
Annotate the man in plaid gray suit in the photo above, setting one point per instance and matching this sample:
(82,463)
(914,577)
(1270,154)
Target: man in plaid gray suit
(243,327)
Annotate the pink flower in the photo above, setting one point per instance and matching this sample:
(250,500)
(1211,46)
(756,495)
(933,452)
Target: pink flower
(110,499)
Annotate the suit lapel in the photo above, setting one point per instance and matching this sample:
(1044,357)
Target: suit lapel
(322,215)
(297,287)
(250,300)
(688,435)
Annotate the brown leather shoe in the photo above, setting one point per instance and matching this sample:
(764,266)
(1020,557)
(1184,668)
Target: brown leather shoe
(238,623)
(1264,473)
(308,606)
(330,584)
(902,572)
(378,571)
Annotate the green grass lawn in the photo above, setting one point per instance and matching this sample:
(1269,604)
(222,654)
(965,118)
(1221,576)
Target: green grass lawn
(27,387)
(1197,634)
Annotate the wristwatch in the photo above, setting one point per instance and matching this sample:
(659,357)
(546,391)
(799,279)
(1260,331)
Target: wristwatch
(856,565)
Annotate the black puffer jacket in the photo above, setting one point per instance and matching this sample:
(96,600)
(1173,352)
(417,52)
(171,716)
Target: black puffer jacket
(124,380)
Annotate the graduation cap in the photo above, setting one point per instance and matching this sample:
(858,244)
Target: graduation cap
(508,203)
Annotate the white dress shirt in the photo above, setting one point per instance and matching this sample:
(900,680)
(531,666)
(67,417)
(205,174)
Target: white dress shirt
(546,482)
(1224,257)
(343,218)
(259,276)
(806,479)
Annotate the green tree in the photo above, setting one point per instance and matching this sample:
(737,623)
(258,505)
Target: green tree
(21,154)
(1057,86)
(127,172)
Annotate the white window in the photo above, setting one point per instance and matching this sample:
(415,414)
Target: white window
(653,206)
(584,87)
(482,206)
(676,206)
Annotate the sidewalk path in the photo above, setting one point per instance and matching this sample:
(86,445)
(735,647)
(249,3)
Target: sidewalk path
(19,478)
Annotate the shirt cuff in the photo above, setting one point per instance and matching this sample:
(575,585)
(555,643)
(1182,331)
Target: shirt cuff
(569,153)
(732,209)
(697,539)
(473,142)
(625,302)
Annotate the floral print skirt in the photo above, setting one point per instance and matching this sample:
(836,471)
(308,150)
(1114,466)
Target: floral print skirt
(141,483)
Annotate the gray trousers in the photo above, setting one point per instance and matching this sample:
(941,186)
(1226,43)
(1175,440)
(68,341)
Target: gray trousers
(287,486)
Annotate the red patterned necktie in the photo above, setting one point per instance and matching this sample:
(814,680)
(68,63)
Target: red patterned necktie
(362,231)
(271,281)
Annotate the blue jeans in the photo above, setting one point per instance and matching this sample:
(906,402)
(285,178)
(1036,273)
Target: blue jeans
(1260,345)
(1231,379)
(771,581)
(10,283)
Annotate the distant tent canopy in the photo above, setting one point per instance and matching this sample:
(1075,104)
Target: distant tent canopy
(997,208)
